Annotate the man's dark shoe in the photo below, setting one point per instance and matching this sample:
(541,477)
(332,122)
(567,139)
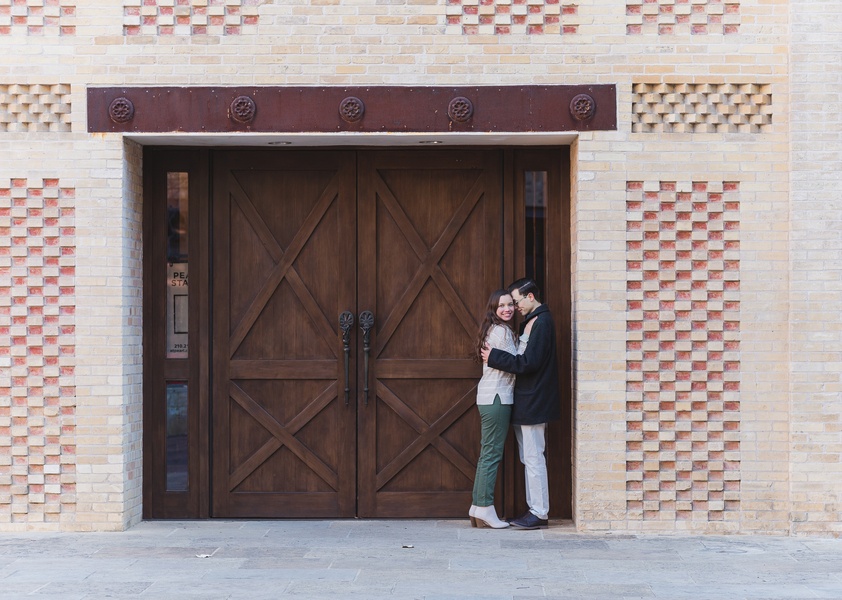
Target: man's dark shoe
(529,521)
(523,516)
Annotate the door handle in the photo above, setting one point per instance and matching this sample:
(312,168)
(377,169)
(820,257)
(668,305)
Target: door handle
(366,323)
(346,321)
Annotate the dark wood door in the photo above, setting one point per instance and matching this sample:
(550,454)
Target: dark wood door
(255,423)
(430,251)
(414,238)
(284,440)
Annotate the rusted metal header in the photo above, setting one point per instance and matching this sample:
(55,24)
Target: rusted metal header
(360,109)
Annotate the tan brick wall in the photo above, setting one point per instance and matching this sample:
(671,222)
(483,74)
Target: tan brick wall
(718,77)
(109,337)
(816,266)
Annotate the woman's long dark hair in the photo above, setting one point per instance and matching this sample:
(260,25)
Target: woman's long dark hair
(490,319)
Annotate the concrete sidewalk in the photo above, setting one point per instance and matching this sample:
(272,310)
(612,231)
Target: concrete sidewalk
(442,560)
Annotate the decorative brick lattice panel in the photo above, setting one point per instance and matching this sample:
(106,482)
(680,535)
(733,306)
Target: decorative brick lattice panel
(37,347)
(701,108)
(682,17)
(35,108)
(499,17)
(190,17)
(38,17)
(683,361)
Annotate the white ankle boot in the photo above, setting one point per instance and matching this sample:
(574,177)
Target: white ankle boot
(472,513)
(486,516)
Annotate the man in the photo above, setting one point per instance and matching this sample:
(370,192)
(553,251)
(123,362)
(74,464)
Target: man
(536,398)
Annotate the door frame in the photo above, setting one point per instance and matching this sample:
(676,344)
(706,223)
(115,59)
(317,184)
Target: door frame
(196,501)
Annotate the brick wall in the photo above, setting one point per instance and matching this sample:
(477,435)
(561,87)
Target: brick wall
(37,353)
(109,338)
(816,240)
(683,351)
(705,95)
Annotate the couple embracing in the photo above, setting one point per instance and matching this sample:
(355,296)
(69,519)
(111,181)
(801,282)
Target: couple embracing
(519,385)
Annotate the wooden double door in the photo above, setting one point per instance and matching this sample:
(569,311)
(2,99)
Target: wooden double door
(345,289)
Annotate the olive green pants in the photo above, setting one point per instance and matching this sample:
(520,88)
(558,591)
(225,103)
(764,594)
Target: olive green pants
(495,425)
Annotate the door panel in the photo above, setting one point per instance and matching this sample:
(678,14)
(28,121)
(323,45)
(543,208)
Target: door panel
(430,249)
(284,439)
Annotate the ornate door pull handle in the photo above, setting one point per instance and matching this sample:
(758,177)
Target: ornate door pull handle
(346,321)
(366,323)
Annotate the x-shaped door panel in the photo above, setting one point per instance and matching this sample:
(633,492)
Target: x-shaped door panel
(284,261)
(430,258)
(283,441)
(434,392)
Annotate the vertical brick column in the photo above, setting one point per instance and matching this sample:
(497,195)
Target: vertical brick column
(37,390)
(683,359)
(816,269)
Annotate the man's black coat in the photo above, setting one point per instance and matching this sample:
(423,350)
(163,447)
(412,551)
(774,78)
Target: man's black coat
(536,384)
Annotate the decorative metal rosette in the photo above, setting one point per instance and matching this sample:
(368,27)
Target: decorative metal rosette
(351,109)
(460,110)
(121,110)
(366,320)
(346,320)
(243,109)
(582,107)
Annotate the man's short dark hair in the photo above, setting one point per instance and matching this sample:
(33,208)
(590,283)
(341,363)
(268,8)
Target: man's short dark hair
(526,286)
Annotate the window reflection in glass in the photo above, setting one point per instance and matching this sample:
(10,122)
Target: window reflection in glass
(177,194)
(176,436)
(535,193)
(177,305)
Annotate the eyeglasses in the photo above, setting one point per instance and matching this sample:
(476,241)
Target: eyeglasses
(518,301)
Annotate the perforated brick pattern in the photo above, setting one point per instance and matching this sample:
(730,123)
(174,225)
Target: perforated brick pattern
(500,17)
(701,108)
(190,17)
(683,351)
(35,108)
(682,17)
(38,17)
(37,347)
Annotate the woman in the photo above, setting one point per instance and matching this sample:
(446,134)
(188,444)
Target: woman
(495,395)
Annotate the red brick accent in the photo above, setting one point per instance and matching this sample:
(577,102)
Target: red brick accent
(503,17)
(682,17)
(38,17)
(190,17)
(682,354)
(37,348)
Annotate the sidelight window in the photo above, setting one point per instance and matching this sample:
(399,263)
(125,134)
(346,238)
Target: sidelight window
(535,194)
(177,436)
(177,219)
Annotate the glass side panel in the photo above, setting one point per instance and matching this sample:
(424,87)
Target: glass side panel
(177,218)
(177,196)
(176,436)
(535,193)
